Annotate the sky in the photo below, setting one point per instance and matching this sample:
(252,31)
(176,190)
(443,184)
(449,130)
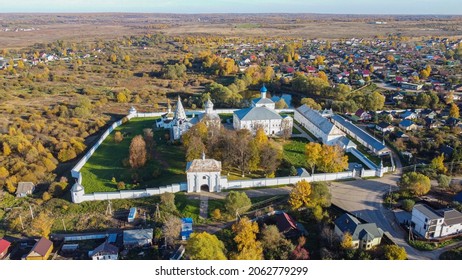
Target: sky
(443,7)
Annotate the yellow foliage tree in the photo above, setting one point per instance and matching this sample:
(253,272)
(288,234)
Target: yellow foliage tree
(438,164)
(3,173)
(347,241)
(300,195)
(312,153)
(323,76)
(261,139)
(41,225)
(6,149)
(454,111)
(332,159)
(246,239)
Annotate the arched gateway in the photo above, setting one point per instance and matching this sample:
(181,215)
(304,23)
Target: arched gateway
(204,175)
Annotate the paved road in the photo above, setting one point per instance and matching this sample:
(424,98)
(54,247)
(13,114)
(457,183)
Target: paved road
(364,199)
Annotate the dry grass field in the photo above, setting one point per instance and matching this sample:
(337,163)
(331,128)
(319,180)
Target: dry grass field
(88,27)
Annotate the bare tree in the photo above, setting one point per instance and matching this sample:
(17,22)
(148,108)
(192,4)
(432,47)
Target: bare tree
(171,228)
(137,157)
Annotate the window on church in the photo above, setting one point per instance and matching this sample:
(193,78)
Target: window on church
(204,177)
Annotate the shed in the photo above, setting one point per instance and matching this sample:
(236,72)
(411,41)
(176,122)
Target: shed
(24,189)
(138,237)
(41,250)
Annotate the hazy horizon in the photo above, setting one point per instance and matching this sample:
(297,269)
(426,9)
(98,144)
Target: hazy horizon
(353,7)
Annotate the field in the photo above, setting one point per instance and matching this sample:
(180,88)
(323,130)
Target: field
(43,28)
(107,162)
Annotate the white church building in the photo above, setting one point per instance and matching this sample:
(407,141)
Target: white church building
(262,114)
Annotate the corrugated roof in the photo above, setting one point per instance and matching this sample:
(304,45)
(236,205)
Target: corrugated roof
(316,118)
(427,211)
(366,137)
(106,249)
(138,234)
(257,113)
(452,217)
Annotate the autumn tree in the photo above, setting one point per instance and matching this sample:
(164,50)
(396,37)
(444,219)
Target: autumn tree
(374,101)
(332,159)
(417,183)
(171,228)
(137,152)
(275,246)
(6,149)
(281,104)
(320,198)
(41,225)
(261,139)
(438,164)
(167,203)
(300,195)
(454,111)
(300,253)
(347,241)
(310,102)
(394,252)
(322,75)
(237,203)
(312,154)
(205,246)
(246,240)
(118,137)
(270,159)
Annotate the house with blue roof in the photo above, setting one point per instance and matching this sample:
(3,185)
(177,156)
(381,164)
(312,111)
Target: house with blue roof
(407,125)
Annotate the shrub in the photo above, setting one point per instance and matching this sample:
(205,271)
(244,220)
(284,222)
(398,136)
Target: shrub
(121,185)
(444,181)
(408,204)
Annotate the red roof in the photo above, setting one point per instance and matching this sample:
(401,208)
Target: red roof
(285,223)
(42,246)
(4,245)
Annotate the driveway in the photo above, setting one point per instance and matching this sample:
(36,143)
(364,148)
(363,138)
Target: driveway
(363,198)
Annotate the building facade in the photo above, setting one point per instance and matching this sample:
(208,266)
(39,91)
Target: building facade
(430,223)
(262,115)
(318,125)
(204,175)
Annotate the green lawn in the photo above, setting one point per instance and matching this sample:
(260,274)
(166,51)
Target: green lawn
(107,161)
(295,130)
(294,152)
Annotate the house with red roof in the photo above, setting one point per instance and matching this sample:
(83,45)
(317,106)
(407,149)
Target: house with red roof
(4,245)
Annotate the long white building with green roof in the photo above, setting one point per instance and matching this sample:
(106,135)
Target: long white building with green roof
(262,114)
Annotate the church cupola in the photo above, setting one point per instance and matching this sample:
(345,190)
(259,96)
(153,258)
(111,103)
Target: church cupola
(180,114)
(263,91)
(209,107)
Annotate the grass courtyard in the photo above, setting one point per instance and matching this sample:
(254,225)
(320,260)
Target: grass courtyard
(294,152)
(107,162)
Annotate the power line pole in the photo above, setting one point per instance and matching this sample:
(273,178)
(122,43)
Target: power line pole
(64,225)
(31,212)
(22,224)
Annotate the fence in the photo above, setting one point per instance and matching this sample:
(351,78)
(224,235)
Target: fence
(266,182)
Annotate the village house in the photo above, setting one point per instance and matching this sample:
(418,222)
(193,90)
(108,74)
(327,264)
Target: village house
(41,250)
(363,115)
(430,223)
(384,127)
(4,246)
(24,189)
(137,237)
(105,251)
(407,125)
(364,236)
